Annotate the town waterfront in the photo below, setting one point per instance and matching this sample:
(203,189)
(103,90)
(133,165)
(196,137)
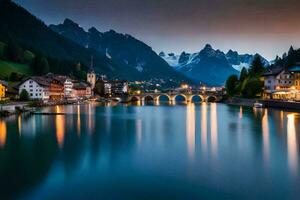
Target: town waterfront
(160,151)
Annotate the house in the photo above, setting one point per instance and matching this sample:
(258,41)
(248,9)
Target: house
(103,88)
(119,87)
(68,88)
(81,90)
(36,87)
(283,84)
(3,89)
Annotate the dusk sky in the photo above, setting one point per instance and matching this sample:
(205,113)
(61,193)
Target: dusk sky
(268,27)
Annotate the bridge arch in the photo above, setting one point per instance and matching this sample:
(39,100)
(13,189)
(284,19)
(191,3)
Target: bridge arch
(158,98)
(179,95)
(148,98)
(192,97)
(135,98)
(211,98)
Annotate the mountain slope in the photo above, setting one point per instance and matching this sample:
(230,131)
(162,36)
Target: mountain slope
(209,65)
(17,23)
(122,48)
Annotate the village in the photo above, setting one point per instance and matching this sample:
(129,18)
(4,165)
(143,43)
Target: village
(60,88)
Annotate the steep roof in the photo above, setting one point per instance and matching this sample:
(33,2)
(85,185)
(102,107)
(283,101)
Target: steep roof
(273,71)
(3,83)
(294,68)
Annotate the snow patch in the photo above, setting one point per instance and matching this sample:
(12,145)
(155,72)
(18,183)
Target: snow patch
(241,66)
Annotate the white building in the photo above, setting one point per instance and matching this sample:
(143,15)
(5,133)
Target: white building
(68,88)
(36,88)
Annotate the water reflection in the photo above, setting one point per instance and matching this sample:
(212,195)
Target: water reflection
(292,143)
(265,133)
(78,121)
(60,127)
(241,112)
(190,129)
(214,127)
(204,125)
(138,128)
(3,133)
(20,124)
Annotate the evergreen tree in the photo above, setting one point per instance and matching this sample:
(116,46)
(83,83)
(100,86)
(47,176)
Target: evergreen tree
(252,88)
(40,65)
(291,51)
(24,96)
(257,67)
(244,74)
(231,84)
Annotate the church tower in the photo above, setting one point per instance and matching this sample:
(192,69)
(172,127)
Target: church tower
(91,75)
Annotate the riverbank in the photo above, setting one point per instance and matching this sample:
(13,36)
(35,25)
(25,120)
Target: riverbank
(282,104)
(241,101)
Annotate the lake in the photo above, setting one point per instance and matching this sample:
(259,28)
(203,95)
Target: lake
(193,151)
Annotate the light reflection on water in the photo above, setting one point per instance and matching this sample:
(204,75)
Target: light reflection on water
(147,149)
(292,143)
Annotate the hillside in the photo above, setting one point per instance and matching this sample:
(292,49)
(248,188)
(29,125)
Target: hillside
(6,68)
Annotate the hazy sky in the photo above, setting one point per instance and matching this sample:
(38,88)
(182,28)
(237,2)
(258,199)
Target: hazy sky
(268,27)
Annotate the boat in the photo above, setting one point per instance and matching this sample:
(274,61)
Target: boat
(258,105)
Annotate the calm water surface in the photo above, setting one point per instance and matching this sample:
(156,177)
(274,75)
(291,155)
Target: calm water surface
(208,151)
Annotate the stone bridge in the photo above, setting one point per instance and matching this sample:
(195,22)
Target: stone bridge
(205,96)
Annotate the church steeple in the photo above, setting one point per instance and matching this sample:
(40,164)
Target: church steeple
(91,75)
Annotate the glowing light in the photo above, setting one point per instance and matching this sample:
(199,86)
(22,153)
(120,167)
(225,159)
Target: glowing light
(190,129)
(184,86)
(3,133)
(292,143)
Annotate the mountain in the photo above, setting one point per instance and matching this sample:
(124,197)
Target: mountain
(209,65)
(116,55)
(238,61)
(124,49)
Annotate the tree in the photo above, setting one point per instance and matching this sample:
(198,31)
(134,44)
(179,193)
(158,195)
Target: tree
(14,52)
(24,96)
(231,84)
(257,67)
(252,88)
(40,65)
(244,74)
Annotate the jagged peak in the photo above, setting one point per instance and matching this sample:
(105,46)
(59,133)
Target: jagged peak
(162,54)
(93,30)
(208,46)
(68,21)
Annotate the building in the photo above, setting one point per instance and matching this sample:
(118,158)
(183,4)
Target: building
(36,87)
(3,89)
(103,88)
(282,84)
(119,87)
(91,78)
(68,88)
(81,90)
